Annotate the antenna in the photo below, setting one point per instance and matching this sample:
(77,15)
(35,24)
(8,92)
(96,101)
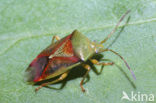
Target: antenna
(112,32)
(122,59)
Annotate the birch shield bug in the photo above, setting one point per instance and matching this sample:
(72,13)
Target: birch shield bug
(64,54)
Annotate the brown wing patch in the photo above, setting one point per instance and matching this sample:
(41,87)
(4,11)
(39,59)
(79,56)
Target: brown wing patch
(58,62)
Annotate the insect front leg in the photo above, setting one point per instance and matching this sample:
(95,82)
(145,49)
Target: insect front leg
(94,61)
(55,37)
(62,77)
(86,66)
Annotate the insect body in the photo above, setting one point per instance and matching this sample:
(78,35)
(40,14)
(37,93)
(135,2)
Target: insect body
(64,54)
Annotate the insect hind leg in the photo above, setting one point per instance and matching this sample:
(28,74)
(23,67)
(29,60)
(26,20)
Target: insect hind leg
(62,77)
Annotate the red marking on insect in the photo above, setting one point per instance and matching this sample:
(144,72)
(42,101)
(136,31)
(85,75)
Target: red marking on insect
(59,60)
(68,48)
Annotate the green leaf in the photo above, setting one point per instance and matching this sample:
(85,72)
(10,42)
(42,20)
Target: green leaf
(27,27)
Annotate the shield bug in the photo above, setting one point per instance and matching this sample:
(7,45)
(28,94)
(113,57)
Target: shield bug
(64,54)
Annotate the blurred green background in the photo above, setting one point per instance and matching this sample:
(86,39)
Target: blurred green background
(26,28)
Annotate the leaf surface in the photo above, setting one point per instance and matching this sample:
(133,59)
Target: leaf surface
(27,27)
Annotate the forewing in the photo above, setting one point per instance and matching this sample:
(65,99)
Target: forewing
(60,60)
(51,59)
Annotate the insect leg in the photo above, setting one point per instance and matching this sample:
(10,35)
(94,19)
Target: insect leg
(94,61)
(81,83)
(63,76)
(55,37)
